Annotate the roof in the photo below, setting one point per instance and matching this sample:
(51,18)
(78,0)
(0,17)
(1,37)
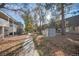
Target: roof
(74,20)
(16,17)
(6,14)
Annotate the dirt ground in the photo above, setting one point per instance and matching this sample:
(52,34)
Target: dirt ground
(59,46)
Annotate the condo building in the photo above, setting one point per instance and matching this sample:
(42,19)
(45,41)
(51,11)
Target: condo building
(8,25)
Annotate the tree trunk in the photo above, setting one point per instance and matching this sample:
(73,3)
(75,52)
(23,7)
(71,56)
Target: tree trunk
(40,27)
(62,22)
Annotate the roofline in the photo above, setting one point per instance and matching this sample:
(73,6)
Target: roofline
(8,15)
(72,16)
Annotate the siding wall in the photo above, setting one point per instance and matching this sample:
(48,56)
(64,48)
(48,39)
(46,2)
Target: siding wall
(50,32)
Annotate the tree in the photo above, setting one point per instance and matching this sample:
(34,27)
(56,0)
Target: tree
(63,6)
(56,10)
(59,9)
(62,17)
(40,13)
(28,21)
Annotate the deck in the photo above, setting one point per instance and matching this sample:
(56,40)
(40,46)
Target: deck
(18,46)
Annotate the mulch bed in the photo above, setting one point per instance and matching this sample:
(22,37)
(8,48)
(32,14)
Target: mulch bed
(58,46)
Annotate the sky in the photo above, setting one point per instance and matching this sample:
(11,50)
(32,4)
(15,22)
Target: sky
(13,15)
(74,8)
(31,6)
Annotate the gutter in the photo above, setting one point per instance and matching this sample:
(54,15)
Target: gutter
(8,16)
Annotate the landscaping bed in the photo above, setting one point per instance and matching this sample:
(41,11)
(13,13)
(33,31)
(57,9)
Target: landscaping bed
(56,46)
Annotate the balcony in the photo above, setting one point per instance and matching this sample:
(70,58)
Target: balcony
(4,22)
